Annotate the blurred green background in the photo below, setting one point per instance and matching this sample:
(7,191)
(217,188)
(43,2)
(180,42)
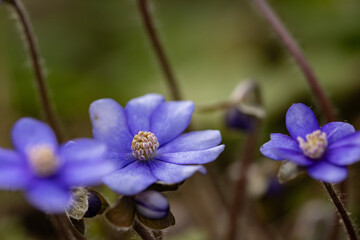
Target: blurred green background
(96,49)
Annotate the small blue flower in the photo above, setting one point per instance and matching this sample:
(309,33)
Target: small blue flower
(323,151)
(145,144)
(47,171)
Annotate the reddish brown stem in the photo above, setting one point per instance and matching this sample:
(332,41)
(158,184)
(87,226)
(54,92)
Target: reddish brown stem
(35,60)
(158,49)
(296,52)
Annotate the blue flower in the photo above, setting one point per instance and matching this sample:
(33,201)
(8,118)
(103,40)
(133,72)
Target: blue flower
(47,171)
(145,144)
(323,151)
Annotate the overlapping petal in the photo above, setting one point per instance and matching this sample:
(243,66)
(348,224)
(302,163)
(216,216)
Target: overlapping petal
(192,141)
(170,119)
(28,132)
(327,172)
(49,196)
(278,140)
(13,170)
(337,130)
(344,155)
(300,120)
(138,111)
(83,151)
(192,157)
(173,173)
(110,126)
(131,179)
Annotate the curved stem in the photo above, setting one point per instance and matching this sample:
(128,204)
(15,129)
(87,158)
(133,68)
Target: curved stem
(142,231)
(342,211)
(35,59)
(294,49)
(159,49)
(65,228)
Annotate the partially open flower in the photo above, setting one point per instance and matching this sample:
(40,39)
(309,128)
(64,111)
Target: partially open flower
(323,151)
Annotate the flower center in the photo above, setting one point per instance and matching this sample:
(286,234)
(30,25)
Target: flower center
(315,144)
(43,160)
(144,145)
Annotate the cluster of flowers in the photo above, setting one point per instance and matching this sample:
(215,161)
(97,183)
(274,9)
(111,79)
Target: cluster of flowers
(133,148)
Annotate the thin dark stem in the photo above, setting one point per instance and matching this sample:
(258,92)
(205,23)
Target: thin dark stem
(238,201)
(159,49)
(35,59)
(65,228)
(342,211)
(294,49)
(142,231)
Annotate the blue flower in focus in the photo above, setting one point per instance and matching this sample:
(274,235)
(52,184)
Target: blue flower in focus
(47,171)
(323,151)
(145,144)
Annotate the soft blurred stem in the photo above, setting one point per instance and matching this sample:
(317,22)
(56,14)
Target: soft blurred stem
(43,91)
(65,228)
(342,211)
(239,196)
(143,232)
(158,49)
(294,49)
(158,235)
(63,225)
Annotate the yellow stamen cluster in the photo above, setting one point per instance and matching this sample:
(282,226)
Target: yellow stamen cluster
(144,145)
(315,144)
(42,160)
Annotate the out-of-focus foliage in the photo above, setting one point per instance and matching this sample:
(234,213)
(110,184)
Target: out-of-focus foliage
(95,49)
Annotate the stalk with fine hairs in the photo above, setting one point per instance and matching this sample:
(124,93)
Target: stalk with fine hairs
(143,232)
(62,224)
(294,49)
(159,49)
(41,84)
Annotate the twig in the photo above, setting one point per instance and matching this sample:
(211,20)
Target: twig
(239,195)
(159,49)
(35,59)
(142,231)
(342,211)
(294,49)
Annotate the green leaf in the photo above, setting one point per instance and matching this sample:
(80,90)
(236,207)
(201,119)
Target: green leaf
(122,214)
(158,224)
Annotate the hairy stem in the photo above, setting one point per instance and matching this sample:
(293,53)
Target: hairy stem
(342,211)
(158,49)
(142,231)
(294,49)
(65,228)
(43,91)
(239,196)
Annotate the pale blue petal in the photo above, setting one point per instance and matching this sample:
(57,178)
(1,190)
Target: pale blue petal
(300,120)
(327,172)
(337,130)
(131,179)
(28,132)
(49,196)
(83,150)
(170,119)
(14,172)
(352,139)
(138,111)
(109,124)
(192,141)
(173,173)
(192,157)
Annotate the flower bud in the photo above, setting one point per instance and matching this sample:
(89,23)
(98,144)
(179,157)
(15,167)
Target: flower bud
(95,205)
(237,119)
(152,204)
